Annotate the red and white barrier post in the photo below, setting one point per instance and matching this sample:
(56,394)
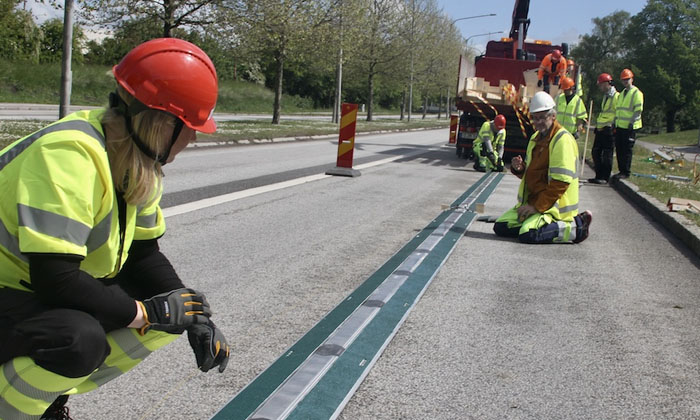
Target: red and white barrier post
(454,124)
(346,142)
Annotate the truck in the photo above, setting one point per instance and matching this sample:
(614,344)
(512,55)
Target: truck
(502,81)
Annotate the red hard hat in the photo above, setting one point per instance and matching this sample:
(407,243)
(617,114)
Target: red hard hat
(172,75)
(556,55)
(566,83)
(604,77)
(626,74)
(570,62)
(500,121)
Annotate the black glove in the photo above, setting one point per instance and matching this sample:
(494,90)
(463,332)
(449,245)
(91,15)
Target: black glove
(175,310)
(209,346)
(539,83)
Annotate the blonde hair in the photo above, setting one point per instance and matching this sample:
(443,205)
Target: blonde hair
(135,175)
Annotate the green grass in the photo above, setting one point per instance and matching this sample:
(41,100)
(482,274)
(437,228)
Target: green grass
(235,131)
(661,188)
(40,83)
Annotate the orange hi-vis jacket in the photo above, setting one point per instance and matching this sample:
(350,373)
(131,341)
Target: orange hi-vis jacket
(546,68)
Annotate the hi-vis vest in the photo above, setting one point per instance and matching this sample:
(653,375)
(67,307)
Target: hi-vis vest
(568,113)
(58,197)
(563,166)
(628,103)
(607,110)
(486,135)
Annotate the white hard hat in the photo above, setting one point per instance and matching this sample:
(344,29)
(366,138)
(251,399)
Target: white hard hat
(542,101)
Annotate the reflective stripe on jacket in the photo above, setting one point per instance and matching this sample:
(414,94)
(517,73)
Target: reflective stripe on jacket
(569,113)
(563,166)
(629,103)
(58,197)
(607,110)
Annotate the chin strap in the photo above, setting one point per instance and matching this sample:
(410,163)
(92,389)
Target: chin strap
(116,102)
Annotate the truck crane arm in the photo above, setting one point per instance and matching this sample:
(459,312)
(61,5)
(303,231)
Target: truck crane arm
(520,12)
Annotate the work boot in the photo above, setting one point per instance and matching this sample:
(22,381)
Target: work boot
(57,410)
(585,219)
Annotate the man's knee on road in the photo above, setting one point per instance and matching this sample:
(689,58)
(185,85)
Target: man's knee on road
(73,347)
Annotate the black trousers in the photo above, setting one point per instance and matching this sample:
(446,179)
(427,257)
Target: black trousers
(603,152)
(68,342)
(624,143)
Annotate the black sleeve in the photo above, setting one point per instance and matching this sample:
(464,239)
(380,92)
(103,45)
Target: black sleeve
(147,272)
(58,281)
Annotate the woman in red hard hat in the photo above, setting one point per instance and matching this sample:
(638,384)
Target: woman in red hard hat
(86,293)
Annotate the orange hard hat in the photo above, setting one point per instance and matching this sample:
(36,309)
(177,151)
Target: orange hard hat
(566,83)
(626,74)
(556,55)
(500,121)
(570,62)
(172,75)
(604,77)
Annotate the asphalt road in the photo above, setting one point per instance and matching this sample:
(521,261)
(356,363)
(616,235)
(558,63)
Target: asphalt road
(602,330)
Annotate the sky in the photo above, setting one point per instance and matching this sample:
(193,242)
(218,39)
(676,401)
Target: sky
(554,20)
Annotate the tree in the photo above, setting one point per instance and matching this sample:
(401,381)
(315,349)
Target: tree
(603,51)
(170,14)
(380,43)
(280,29)
(52,42)
(664,44)
(19,36)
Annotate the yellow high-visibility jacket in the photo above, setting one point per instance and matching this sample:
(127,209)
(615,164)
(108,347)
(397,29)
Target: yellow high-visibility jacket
(569,113)
(563,166)
(58,197)
(630,104)
(607,110)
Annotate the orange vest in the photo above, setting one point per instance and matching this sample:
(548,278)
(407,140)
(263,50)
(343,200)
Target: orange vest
(546,67)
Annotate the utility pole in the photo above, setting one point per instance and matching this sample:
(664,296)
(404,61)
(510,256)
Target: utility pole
(410,80)
(339,73)
(66,73)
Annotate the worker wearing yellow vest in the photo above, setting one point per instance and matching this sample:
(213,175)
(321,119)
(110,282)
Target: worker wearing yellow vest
(86,293)
(571,112)
(547,208)
(489,144)
(574,72)
(603,144)
(628,120)
(552,69)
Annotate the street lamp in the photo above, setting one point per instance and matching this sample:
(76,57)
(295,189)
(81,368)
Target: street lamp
(486,34)
(472,17)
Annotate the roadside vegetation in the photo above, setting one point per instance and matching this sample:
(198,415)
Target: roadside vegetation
(649,172)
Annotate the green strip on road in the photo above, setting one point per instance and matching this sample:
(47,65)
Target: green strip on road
(247,401)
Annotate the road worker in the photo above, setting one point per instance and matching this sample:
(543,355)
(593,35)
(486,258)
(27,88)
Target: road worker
(603,144)
(86,293)
(552,69)
(489,144)
(547,208)
(571,112)
(574,72)
(628,120)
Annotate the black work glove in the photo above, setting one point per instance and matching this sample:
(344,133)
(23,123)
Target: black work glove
(539,83)
(175,310)
(209,346)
